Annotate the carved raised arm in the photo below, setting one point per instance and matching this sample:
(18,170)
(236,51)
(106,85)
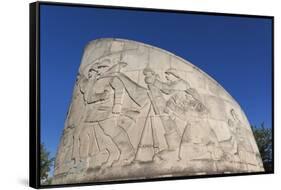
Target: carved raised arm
(119,91)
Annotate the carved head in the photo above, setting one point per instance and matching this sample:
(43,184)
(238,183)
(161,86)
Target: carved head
(233,114)
(92,73)
(148,72)
(103,66)
(150,75)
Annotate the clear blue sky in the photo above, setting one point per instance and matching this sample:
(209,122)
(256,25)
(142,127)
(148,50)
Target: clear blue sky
(235,51)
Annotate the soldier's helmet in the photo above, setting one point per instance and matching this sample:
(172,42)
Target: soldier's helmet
(148,70)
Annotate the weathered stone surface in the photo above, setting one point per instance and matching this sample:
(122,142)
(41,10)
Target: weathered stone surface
(138,112)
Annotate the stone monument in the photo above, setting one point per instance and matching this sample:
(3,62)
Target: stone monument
(139,112)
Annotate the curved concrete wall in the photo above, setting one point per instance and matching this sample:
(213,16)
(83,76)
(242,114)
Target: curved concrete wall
(139,111)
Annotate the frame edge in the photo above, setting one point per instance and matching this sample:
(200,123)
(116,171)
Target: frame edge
(34,144)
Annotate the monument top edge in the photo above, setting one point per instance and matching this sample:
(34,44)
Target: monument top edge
(133,41)
(91,42)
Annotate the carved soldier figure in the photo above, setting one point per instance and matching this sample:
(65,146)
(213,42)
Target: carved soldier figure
(106,110)
(83,135)
(183,101)
(172,134)
(92,138)
(89,139)
(69,151)
(176,88)
(183,96)
(78,98)
(234,131)
(240,144)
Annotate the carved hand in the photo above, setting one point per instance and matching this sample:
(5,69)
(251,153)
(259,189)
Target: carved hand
(105,94)
(117,109)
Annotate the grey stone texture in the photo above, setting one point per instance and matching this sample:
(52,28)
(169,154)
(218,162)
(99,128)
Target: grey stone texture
(139,112)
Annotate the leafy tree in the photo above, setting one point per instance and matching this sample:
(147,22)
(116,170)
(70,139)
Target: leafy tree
(46,162)
(263,136)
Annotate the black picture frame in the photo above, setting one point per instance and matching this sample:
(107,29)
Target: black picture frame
(34,93)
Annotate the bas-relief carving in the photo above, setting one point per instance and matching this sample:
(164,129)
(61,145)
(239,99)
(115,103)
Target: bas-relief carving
(106,112)
(114,121)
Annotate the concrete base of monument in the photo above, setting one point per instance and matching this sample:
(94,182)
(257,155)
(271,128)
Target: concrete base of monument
(159,169)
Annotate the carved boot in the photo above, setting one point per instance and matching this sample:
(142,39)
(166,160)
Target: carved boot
(114,155)
(173,140)
(127,151)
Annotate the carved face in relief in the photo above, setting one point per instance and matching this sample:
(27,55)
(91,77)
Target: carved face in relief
(150,76)
(92,73)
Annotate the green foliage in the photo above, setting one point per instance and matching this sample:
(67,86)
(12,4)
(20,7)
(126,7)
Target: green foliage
(263,136)
(46,162)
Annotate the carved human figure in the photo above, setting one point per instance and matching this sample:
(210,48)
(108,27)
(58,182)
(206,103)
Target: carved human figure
(90,139)
(240,144)
(159,104)
(234,131)
(105,110)
(82,135)
(183,101)
(74,112)
(73,127)
(182,97)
